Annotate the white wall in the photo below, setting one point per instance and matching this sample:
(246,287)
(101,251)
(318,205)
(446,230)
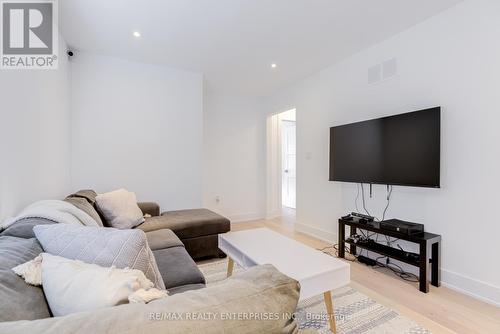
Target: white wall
(137,126)
(234,156)
(450,60)
(34,135)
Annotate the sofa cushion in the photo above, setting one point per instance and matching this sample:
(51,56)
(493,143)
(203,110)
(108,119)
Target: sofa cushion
(149,208)
(85,206)
(203,247)
(261,289)
(188,223)
(120,209)
(18,300)
(162,239)
(103,246)
(177,267)
(184,288)
(24,227)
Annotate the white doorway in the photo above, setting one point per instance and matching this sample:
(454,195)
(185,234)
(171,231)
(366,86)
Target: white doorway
(281,164)
(288,160)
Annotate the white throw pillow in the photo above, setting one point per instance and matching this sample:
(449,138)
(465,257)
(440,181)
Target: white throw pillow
(74,286)
(30,271)
(120,208)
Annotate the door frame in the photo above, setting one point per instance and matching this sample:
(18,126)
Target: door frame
(284,124)
(274,205)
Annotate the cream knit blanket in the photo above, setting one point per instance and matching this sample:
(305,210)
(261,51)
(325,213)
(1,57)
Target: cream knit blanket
(55,210)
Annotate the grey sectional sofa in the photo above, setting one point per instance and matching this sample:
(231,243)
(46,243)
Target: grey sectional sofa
(235,306)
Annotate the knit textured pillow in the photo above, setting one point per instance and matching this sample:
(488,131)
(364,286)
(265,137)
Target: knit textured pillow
(102,246)
(120,209)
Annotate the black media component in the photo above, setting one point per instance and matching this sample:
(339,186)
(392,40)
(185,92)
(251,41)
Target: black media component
(401,226)
(361,216)
(367,260)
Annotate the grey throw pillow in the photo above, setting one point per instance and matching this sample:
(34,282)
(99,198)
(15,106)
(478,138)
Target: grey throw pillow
(88,194)
(18,300)
(102,246)
(85,206)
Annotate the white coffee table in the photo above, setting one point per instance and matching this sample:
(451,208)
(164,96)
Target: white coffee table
(317,273)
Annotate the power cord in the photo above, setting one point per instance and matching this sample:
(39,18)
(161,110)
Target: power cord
(363,198)
(366,210)
(389,193)
(335,247)
(397,270)
(357,196)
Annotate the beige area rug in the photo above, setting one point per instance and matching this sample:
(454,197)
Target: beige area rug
(354,311)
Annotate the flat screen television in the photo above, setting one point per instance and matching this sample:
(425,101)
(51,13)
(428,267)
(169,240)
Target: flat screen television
(396,150)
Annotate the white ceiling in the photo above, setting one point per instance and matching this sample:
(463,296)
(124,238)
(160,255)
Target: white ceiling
(234,42)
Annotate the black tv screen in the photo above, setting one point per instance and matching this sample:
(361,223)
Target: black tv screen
(396,150)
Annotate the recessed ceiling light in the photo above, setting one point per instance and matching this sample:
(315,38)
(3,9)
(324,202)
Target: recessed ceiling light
(273,65)
(136,34)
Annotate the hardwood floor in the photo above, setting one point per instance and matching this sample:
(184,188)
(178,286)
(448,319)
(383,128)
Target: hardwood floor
(441,310)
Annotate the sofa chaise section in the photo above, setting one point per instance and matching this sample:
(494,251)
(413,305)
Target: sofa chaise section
(198,229)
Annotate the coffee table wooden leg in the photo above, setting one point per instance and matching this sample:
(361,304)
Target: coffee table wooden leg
(230,266)
(329,309)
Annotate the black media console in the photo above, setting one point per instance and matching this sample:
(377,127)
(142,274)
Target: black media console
(429,245)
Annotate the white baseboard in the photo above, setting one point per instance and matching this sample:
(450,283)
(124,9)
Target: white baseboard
(317,233)
(239,218)
(274,214)
(471,287)
(463,284)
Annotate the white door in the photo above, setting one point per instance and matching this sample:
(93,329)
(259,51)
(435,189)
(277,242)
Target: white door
(288,140)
